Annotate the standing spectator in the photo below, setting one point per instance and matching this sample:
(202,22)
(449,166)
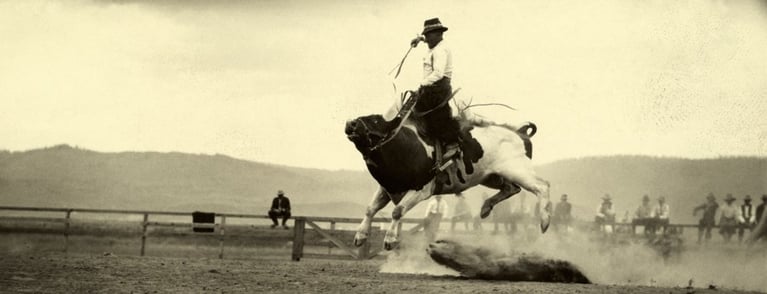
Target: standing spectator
(434,211)
(280,208)
(708,220)
(562,214)
(461,212)
(660,213)
(747,218)
(477,218)
(605,217)
(502,215)
(643,215)
(760,209)
(728,221)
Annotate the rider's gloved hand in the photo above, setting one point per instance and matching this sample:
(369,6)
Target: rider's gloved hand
(414,42)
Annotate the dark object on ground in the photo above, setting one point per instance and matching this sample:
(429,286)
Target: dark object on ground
(484,263)
(199,217)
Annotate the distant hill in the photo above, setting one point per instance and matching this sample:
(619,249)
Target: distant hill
(64,176)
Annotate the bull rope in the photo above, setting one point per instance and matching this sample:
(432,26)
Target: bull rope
(399,66)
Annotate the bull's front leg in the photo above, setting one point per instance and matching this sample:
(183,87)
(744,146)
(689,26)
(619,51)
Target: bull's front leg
(409,201)
(380,199)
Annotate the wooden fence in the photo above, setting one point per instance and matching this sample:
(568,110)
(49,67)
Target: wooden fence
(299,228)
(301,224)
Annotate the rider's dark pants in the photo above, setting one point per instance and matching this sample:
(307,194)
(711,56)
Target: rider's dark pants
(439,123)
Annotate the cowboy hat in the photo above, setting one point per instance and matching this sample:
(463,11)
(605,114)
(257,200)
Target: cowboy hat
(606,197)
(747,198)
(729,198)
(433,25)
(280,193)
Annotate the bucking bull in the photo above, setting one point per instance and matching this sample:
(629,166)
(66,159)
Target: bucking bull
(403,163)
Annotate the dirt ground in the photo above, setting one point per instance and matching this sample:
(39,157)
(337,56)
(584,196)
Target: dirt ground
(81,273)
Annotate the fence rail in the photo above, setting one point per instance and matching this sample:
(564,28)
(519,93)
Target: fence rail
(219,228)
(299,228)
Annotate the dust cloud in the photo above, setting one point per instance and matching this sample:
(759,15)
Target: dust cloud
(610,263)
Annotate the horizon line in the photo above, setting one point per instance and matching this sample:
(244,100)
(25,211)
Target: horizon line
(538,164)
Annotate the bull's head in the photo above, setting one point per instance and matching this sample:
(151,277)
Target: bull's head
(367,131)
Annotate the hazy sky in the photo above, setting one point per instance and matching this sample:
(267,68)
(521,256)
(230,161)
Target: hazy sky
(275,81)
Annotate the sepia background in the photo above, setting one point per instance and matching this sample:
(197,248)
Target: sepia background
(217,104)
(201,105)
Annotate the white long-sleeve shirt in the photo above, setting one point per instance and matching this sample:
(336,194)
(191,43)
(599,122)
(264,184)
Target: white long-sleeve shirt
(729,210)
(437,63)
(661,211)
(747,214)
(436,207)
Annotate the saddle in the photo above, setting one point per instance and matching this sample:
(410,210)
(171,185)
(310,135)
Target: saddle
(468,152)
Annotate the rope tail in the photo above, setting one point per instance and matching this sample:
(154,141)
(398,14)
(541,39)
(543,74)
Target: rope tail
(399,66)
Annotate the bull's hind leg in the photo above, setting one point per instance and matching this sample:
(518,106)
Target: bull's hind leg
(521,173)
(506,190)
(380,199)
(411,198)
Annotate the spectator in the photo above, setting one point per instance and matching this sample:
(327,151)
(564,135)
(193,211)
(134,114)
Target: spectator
(747,218)
(280,208)
(643,215)
(708,220)
(563,214)
(605,217)
(502,215)
(728,221)
(477,218)
(760,209)
(434,211)
(660,214)
(644,211)
(461,213)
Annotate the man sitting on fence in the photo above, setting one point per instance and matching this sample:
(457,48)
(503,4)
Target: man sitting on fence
(660,214)
(605,217)
(280,208)
(728,221)
(643,216)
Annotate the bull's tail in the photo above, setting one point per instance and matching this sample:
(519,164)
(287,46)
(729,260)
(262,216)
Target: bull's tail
(529,129)
(526,132)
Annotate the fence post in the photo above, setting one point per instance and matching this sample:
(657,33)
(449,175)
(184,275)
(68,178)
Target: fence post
(143,233)
(364,251)
(330,244)
(221,238)
(66,231)
(298,238)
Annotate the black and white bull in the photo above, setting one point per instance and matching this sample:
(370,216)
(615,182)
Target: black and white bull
(404,169)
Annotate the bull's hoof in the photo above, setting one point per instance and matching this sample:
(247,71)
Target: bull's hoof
(388,246)
(485,212)
(360,238)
